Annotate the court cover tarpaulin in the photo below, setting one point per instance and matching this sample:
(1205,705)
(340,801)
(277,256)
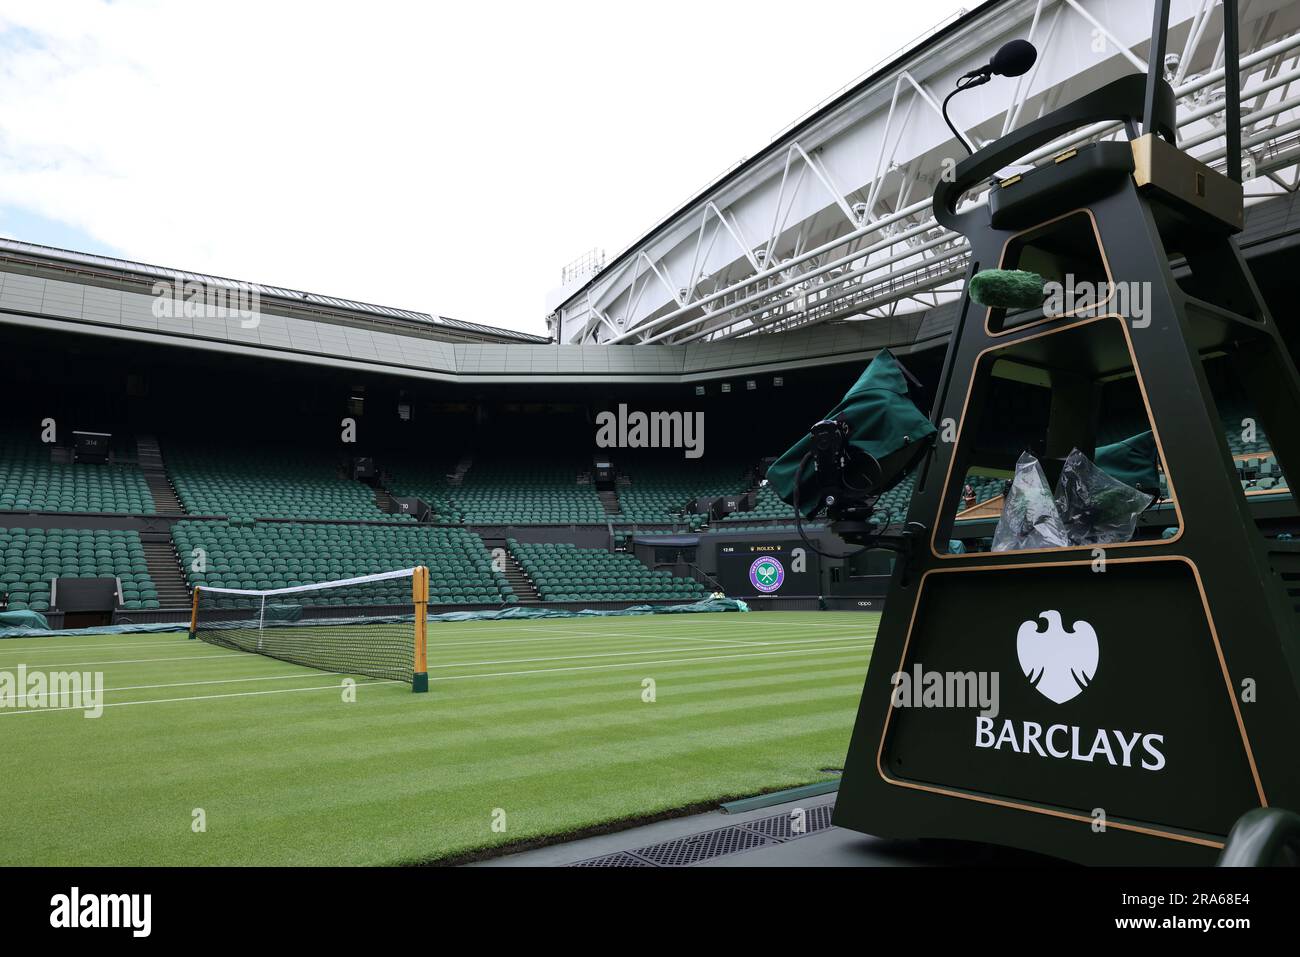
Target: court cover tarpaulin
(883,422)
(23,618)
(495,614)
(152,628)
(536,611)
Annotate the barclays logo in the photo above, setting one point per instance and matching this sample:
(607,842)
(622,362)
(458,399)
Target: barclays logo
(1058,663)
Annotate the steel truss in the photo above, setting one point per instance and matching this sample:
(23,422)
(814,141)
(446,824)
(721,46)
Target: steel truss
(835,224)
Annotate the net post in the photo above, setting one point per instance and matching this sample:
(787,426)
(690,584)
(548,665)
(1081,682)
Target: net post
(420,594)
(194,613)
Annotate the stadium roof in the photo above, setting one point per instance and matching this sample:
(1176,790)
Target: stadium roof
(81,302)
(884,68)
(832,219)
(113,267)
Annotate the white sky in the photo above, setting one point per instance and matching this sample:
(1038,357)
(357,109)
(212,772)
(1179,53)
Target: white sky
(446,157)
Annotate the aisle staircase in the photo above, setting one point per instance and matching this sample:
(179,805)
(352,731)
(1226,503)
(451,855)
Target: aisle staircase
(523,586)
(149,455)
(384,501)
(165,569)
(457,477)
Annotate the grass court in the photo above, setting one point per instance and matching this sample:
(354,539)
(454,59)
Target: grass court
(541,725)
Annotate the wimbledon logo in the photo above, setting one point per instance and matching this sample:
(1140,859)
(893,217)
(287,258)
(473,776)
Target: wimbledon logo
(766,574)
(1058,663)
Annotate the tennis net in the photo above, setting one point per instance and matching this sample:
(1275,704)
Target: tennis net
(374,625)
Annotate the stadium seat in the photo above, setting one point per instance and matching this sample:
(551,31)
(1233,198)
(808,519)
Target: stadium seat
(285,554)
(657,492)
(31,482)
(254,483)
(30,558)
(564,572)
(512,493)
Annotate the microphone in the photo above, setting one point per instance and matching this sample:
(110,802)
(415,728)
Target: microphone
(1013,58)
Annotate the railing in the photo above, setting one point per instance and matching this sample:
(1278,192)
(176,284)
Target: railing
(697,573)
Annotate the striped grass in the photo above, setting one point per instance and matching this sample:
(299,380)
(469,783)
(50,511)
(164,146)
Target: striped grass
(531,731)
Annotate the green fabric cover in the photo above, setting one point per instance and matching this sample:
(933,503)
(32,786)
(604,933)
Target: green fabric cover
(156,628)
(1131,461)
(283,612)
(23,619)
(533,611)
(883,423)
(1007,289)
(503,614)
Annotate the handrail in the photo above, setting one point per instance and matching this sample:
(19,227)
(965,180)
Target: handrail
(708,579)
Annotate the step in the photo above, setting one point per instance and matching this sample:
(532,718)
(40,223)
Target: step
(165,571)
(150,461)
(457,477)
(148,454)
(524,588)
(165,501)
(609,499)
(518,579)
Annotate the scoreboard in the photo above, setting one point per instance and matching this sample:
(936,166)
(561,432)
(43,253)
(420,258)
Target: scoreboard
(755,569)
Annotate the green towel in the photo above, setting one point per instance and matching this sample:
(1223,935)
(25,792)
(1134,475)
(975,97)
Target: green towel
(883,423)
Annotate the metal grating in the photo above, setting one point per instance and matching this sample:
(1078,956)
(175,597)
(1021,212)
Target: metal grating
(780,827)
(683,851)
(701,847)
(621,859)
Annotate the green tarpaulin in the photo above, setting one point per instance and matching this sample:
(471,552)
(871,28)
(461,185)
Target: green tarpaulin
(883,421)
(537,611)
(14,630)
(1131,461)
(282,612)
(23,618)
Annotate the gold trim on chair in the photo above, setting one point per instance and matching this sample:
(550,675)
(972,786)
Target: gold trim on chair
(961,426)
(1055,812)
(1002,259)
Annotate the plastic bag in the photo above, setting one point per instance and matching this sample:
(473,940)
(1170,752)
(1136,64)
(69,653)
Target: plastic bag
(1029,516)
(1095,508)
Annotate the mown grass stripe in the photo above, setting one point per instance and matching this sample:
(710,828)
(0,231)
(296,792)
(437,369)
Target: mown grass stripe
(309,779)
